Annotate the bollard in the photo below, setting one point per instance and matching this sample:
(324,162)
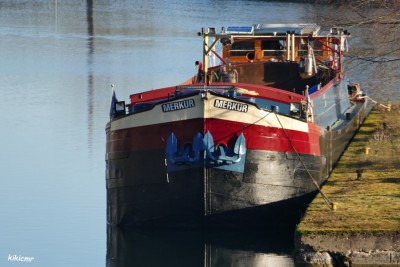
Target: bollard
(359,174)
(366,150)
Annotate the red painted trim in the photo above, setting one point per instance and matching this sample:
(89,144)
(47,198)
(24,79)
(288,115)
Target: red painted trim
(265,92)
(224,132)
(152,95)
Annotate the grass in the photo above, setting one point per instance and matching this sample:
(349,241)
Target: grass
(370,205)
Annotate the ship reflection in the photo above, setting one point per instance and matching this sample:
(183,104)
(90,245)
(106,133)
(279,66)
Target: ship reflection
(132,247)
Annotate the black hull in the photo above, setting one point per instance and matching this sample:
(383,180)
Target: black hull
(183,215)
(274,189)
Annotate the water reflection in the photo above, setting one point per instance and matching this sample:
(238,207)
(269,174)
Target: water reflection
(133,247)
(90,46)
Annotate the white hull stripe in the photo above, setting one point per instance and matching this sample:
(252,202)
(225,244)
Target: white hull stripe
(214,107)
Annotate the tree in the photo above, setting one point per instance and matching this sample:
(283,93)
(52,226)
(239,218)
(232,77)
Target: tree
(375,43)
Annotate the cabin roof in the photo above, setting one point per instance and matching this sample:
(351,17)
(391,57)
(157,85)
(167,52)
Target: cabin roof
(275,29)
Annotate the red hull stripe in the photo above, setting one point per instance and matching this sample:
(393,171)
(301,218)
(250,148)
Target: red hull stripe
(152,137)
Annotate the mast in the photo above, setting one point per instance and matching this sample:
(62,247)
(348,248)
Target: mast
(205,54)
(341,45)
(207,49)
(288,39)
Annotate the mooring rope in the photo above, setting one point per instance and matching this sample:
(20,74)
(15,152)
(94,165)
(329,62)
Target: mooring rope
(326,199)
(388,106)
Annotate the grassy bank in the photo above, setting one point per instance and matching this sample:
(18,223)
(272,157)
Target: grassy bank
(370,205)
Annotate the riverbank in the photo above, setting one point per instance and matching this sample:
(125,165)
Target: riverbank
(363,228)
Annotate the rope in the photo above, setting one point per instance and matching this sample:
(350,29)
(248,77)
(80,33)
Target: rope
(388,107)
(326,199)
(358,96)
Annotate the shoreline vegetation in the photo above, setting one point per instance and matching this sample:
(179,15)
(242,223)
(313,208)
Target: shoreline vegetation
(365,187)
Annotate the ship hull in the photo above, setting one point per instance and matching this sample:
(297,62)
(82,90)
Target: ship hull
(273,188)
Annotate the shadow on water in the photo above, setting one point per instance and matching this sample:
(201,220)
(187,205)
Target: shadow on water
(143,247)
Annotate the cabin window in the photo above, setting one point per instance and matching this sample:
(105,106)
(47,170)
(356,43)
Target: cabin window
(273,47)
(316,45)
(295,109)
(241,48)
(318,48)
(303,49)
